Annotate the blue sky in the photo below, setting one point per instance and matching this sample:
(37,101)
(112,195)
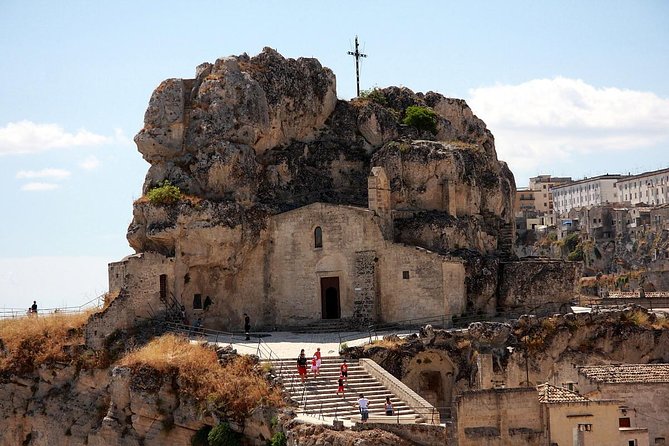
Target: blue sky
(567,88)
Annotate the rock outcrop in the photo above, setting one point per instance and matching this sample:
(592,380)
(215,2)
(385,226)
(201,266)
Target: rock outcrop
(440,364)
(268,133)
(250,139)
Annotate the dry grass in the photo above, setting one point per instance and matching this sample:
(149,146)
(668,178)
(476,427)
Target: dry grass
(390,343)
(238,387)
(29,342)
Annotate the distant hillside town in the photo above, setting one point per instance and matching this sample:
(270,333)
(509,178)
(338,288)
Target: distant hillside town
(616,224)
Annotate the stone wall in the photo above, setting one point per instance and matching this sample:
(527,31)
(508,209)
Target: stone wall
(417,434)
(278,276)
(377,279)
(537,285)
(416,283)
(137,280)
(500,417)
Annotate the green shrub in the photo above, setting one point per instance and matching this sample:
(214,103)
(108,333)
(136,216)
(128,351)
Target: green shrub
(166,193)
(222,435)
(278,439)
(374,94)
(422,118)
(576,255)
(571,241)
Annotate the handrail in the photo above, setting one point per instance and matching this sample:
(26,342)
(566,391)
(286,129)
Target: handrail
(262,350)
(10,313)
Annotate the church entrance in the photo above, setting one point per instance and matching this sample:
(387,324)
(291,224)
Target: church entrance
(330,308)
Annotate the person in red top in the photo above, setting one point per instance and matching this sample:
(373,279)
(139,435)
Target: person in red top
(344,370)
(314,366)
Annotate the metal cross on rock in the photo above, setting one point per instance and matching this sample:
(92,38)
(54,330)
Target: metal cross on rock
(357,54)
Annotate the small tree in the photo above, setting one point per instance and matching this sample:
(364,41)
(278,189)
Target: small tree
(166,193)
(422,118)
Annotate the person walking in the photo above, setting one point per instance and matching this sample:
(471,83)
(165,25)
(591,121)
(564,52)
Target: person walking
(302,366)
(343,369)
(247,326)
(340,382)
(314,366)
(388,406)
(317,354)
(363,405)
(33,308)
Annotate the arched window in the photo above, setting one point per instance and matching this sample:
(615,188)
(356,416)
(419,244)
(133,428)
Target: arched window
(318,237)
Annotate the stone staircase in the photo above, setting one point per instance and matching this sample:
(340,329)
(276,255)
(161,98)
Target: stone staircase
(318,397)
(505,241)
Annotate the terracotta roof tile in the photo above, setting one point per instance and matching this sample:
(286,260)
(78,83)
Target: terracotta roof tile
(627,373)
(553,394)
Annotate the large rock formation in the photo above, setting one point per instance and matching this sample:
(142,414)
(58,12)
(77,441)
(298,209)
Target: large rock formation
(267,134)
(250,138)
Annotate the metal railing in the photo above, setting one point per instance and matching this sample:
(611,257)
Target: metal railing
(93,304)
(261,349)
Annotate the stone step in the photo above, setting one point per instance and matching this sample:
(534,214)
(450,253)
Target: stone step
(319,394)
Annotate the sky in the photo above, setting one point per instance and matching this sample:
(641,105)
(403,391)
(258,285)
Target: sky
(568,88)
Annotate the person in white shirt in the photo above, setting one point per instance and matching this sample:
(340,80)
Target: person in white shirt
(363,404)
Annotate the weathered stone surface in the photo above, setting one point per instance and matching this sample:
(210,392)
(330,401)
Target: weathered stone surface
(440,365)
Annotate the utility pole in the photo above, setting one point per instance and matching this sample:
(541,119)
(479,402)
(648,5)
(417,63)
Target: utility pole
(357,54)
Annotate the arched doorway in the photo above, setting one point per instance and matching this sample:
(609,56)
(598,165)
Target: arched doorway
(330,305)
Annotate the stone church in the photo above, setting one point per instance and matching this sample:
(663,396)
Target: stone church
(298,208)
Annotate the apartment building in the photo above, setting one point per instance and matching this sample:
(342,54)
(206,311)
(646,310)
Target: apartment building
(542,185)
(586,192)
(651,188)
(524,202)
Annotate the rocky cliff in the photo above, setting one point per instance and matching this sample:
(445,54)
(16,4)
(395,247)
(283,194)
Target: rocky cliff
(531,350)
(254,136)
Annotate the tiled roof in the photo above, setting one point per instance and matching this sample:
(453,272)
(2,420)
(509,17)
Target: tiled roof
(627,373)
(553,394)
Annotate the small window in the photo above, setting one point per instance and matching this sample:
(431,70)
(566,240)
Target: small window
(631,442)
(197,302)
(405,275)
(163,286)
(624,422)
(318,237)
(585,427)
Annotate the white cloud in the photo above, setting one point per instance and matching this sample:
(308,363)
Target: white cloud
(90,163)
(552,120)
(29,137)
(39,187)
(56,174)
